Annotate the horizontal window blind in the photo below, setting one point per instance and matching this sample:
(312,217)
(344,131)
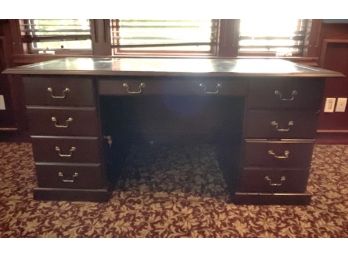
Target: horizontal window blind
(53,34)
(272,36)
(197,36)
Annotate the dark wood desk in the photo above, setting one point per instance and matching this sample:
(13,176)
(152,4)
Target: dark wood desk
(260,113)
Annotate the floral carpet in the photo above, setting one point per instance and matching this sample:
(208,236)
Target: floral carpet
(172,192)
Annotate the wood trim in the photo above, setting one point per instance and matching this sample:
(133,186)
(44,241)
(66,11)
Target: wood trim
(332,131)
(4,62)
(228,38)
(324,47)
(332,137)
(16,37)
(14,136)
(313,40)
(100,34)
(17,98)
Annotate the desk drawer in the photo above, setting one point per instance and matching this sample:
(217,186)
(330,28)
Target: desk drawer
(281,124)
(69,176)
(66,149)
(278,154)
(273,180)
(173,86)
(56,91)
(62,121)
(304,93)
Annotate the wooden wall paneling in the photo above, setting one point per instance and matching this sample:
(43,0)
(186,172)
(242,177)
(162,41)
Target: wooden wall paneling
(15,37)
(334,55)
(7,116)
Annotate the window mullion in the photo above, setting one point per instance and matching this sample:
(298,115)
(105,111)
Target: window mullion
(100,31)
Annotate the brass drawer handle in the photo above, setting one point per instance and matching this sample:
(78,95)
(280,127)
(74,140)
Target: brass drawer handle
(269,180)
(276,125)
(65,180)
(57,125)
(285,156)
(291,98)
(62,96)
(205,89)
(139,91)
(67,155)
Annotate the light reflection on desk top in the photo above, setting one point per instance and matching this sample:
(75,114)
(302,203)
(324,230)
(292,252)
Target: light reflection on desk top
(172,67)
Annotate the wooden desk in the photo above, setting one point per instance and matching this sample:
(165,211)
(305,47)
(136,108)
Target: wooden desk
(261,114)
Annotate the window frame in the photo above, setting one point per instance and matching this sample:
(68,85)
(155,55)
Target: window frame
(307,28)
(27,41)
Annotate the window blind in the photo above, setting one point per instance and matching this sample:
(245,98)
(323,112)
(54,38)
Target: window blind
(198,36)
(53,34)
(269,36)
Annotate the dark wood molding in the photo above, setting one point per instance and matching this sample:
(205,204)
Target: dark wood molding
(8,116)
(17,46)
(101,42)
(313,39)
(332,137)
(325,45)
(228,38)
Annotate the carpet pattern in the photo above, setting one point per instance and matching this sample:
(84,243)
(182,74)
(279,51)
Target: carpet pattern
(172,192)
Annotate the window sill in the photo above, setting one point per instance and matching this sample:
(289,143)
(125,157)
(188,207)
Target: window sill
(23,59)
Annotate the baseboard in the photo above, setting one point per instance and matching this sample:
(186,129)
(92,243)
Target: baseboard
(14,136)
(334,137)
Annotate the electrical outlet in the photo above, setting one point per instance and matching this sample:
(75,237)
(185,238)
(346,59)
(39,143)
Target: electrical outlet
(341,104)
(2,103)
(330,104)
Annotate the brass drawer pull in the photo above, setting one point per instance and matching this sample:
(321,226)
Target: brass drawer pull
(291,98)
(216,92)
(276,125)
(57,125)
(285,156)
(71,180)
(140,90)
(269,180)
(68,155)
(62,96)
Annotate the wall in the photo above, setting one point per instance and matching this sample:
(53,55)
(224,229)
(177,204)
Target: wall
(7,112)
(333,54)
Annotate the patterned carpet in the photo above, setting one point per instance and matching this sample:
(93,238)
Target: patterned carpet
(176,192)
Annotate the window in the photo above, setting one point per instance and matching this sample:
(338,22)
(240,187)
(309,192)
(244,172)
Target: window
(224,38)
(54,36)
(272,37)
(163,36)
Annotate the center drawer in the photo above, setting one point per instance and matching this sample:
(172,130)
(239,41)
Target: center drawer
(173,86)
(63,121)
(66,149)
